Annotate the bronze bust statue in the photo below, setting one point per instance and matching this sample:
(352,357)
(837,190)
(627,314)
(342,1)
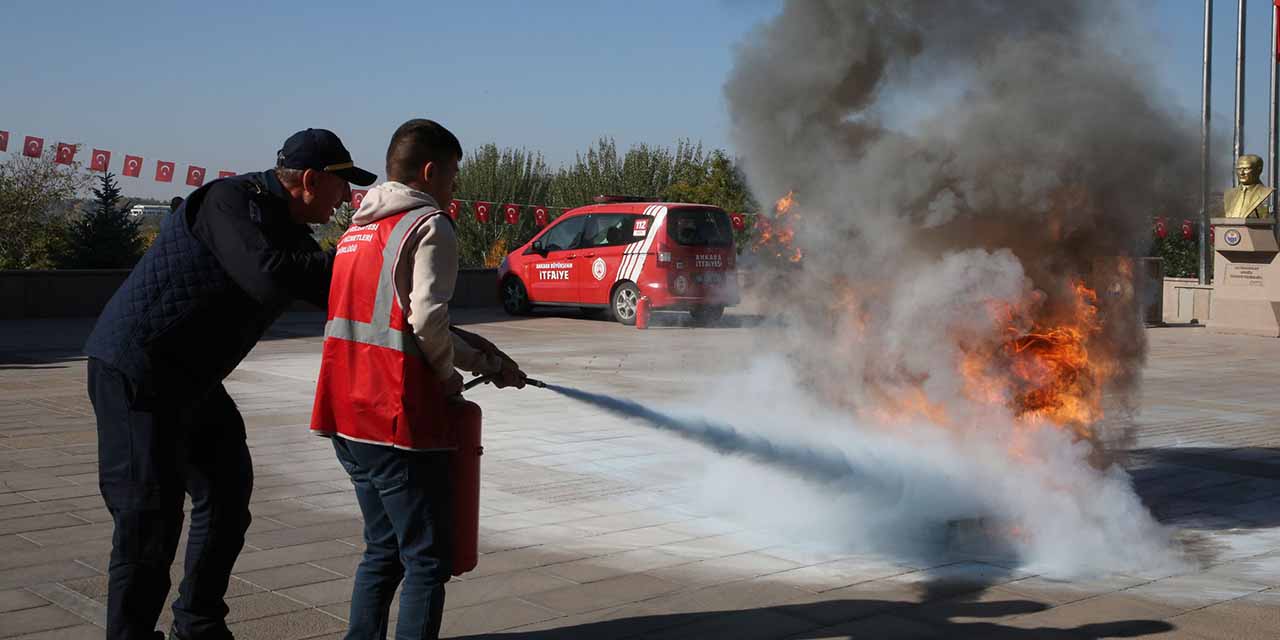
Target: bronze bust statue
(1251,198)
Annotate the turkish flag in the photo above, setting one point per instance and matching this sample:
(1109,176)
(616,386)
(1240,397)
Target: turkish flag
(164,171)
(482,211)
(1162,231)
(4,140)
(132,166)
(33,147)
(357,196)
(225,174)
(66,153)
(540,216)
(195,175)
(101,159)
(739,221)
(453,209)
(1188,230)
(512,212)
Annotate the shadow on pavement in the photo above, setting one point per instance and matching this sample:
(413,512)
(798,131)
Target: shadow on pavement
(1209,488)
(845,618)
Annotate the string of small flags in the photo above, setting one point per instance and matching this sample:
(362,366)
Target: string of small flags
(132,166)
(100,160)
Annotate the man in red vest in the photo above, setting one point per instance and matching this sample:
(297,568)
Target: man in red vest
(386,372)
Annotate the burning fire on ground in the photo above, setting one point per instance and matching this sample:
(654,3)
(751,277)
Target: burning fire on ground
(776,236)
(1040,369)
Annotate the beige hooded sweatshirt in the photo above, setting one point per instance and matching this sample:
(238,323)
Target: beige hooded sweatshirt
(425,275)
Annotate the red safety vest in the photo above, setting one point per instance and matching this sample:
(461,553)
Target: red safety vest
(375,385)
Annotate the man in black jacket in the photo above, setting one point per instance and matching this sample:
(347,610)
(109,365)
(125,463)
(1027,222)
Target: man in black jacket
(232,259)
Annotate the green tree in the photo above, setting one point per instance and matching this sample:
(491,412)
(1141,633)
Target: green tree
(105,237)
(36,200)
(499,176)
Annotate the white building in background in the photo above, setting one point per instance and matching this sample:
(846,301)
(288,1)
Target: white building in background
(149,211)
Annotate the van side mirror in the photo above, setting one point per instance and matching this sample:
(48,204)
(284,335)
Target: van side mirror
(537,248)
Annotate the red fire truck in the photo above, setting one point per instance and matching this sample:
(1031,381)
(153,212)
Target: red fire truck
(606,255)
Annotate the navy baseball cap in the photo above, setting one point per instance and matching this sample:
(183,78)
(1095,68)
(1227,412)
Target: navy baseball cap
(321,150)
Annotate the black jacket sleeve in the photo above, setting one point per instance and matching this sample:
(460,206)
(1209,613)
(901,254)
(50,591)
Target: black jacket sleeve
(272,266)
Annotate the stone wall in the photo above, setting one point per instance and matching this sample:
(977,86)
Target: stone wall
(82,293)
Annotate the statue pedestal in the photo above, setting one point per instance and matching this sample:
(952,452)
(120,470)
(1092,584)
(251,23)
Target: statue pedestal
(1246,277)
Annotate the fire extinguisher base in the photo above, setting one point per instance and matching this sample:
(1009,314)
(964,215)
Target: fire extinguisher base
(642,313)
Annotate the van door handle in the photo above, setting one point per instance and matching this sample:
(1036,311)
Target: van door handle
(589,255)
(572,256)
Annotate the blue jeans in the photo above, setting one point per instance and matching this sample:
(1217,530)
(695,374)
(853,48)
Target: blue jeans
(152,451)
(407,505)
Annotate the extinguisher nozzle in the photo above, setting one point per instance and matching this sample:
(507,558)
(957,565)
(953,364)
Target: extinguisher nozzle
(479,380)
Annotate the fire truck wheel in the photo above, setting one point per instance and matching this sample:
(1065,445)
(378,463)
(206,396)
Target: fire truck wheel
(708,315)
(515,298)
(623,304)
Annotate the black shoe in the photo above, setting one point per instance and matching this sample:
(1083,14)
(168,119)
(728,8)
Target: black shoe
(173,635)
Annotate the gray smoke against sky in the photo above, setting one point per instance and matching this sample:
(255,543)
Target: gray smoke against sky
(948,155)
(949,159)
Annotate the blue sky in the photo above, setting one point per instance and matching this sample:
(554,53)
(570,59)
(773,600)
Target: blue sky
(222,84)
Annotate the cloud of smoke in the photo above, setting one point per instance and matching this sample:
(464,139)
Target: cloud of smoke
(963,171)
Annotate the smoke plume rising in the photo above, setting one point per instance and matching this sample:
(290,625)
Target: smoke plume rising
(968,179)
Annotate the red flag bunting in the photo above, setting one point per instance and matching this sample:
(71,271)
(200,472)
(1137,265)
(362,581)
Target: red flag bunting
(132,166)
(100,161)
(512,212)
(1188,230)
(453,209)
(739,221)
(225,174)
(1162,231)
(66,153)
(482,211)
(164,171)
(195,175)
(357,196)
(4,140)
(540,216)
(33,147)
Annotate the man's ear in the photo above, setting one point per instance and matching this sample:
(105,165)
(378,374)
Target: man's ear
(428,172)
(310,178)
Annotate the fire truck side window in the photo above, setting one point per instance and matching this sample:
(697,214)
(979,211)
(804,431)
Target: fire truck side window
(609,230)
(564,235)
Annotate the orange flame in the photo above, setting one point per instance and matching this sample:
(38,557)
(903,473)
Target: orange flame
(783,205)
(776,237)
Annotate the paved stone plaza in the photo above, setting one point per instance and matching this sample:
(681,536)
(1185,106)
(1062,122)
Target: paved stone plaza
(588,530)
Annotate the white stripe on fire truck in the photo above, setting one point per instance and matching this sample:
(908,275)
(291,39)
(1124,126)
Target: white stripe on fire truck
(643,256)
(630,256)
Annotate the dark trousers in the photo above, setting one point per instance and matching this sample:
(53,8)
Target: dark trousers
(151,452)
(406,501)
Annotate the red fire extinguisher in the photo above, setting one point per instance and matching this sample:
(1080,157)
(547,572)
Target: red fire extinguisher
(642,313)
(465,418)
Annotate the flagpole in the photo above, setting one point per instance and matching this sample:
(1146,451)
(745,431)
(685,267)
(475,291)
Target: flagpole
(1238,142)
(1273,145)
(1204,142)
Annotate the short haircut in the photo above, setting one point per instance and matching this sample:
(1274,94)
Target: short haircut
(416,143)
(290,178)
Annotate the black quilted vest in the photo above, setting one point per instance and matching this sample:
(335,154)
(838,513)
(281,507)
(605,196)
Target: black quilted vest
(179,324)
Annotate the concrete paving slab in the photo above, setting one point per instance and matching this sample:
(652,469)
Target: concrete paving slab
(589,527)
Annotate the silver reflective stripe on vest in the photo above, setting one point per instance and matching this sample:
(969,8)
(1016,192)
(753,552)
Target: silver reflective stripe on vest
(379,332)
